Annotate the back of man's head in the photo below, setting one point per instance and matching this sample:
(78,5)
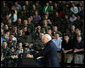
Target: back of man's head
(46,38)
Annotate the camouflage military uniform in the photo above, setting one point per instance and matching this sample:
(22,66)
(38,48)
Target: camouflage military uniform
(6,55)
(68,58)
(59,56)
(28,40)
(78,58)
(38,45)
(19,26)
(13,43)
(20,38)
(12,62)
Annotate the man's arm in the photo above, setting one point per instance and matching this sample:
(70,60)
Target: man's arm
(65,51)
(41,53)
(78,50)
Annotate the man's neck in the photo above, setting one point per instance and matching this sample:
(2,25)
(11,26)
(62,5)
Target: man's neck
(58,38)
(48,41)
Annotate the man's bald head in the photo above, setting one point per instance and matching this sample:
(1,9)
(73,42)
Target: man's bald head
(46,38)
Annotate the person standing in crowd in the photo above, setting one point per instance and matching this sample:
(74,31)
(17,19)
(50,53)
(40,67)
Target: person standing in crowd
(4,8)
(79,47)
(36,18)
(19,23)
(17,6)
(47,8)
(73,18)
(58,41)
(6,54)
(19,48)
(49,31)
(67,48)
(12,41)
(13,57)
(13,17)
(74,9)
(79,33)
(79,44)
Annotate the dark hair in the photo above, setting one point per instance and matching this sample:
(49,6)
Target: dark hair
(49,28)
(79,36)
(4,41)
(27,33)
(57,33)
(12,47)
(66,34)
(7,31)
(12,11)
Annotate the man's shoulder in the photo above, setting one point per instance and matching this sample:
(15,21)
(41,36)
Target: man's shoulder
(52,43)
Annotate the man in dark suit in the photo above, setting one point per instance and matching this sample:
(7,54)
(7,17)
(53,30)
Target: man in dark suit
(49,52)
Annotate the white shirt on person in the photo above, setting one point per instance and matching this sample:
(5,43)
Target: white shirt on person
(73,19)
(58,43)
(74,9)
(14,17)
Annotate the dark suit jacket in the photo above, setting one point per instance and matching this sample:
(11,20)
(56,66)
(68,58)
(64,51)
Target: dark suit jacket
(50,55)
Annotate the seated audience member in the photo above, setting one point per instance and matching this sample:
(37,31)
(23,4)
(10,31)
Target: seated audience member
(36,17)
(73,18)
(74,9)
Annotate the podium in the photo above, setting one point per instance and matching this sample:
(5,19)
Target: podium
(27,62)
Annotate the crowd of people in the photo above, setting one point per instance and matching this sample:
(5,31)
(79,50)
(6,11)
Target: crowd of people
(24,22)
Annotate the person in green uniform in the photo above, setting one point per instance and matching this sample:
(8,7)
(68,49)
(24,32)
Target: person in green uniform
(11,42)
(27,38)
(6,54)
(13,57)
(45,25)
(20,35)
(47,8)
